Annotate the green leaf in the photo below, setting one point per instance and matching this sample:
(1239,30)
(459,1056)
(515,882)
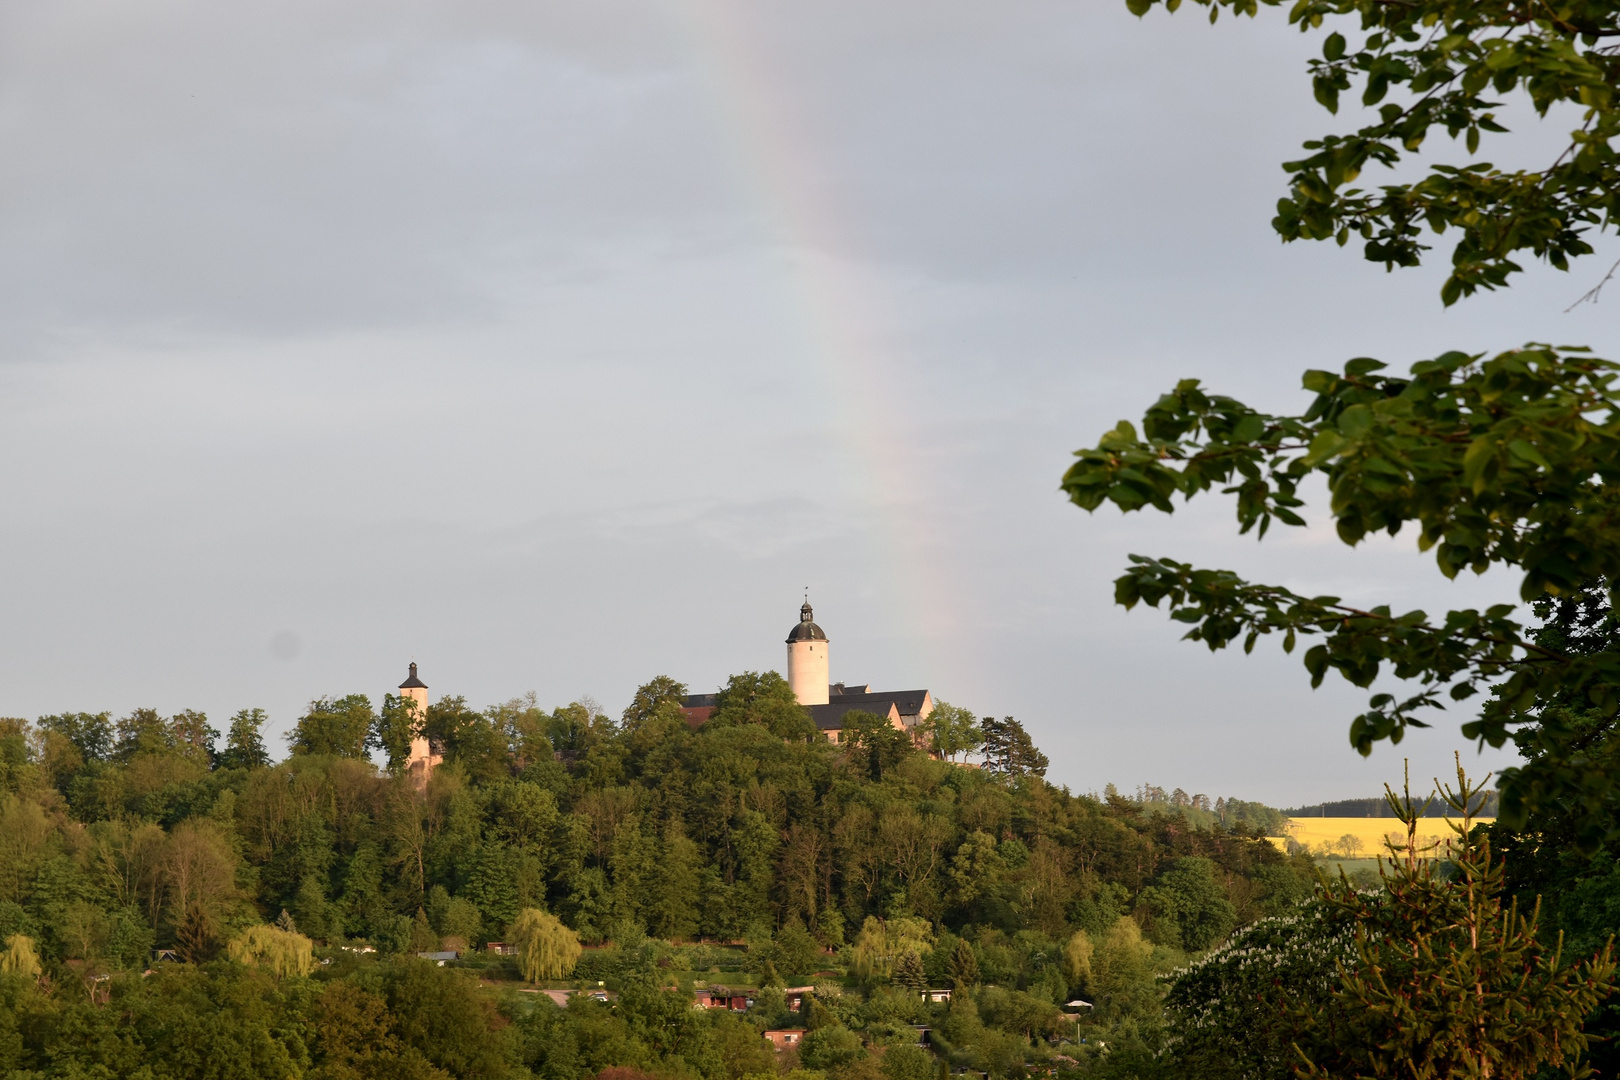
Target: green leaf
(1480,453)
(1355,422)
(1528,454)
(1333,47)
(1326,444)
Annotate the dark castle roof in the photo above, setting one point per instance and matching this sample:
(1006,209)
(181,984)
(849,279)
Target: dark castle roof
(908,702)
(806,629)
(412,681)
(830,717)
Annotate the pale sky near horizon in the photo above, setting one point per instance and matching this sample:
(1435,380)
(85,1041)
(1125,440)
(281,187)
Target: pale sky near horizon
(558,346)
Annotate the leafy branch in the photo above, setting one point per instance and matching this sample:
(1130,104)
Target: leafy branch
(1513,459)
(1448,54)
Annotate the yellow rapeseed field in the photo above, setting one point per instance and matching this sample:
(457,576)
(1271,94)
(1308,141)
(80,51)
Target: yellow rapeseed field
(1361,837)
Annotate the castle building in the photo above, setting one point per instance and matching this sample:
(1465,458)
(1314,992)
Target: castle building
(425,757)
(828,702)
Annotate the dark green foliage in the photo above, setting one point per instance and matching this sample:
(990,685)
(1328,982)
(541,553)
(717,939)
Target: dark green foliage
(1450,62)
(827,1047)
(1507,460)
(763,698)
(1562,854)
(905,1062)
(336,727)
(397,723)
(1189,906)
(871,860)
(1008,749)
(964,965)
(875,746)
(244,745)
(90,734)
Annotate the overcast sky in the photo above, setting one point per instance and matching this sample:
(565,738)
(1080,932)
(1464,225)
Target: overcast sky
(561,345)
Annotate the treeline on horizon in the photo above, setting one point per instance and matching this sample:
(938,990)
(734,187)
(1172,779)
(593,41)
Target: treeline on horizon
(1486,806)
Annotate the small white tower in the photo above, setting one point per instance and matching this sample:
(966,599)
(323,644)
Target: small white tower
(423,755)
(807,659)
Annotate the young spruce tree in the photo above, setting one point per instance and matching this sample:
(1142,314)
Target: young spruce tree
(1451,983)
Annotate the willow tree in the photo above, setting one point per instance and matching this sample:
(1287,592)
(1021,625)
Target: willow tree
(281,952)
(547,948)
(19,957)
(1506,460)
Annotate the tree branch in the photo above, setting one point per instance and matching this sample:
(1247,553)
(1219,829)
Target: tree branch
(1596,290)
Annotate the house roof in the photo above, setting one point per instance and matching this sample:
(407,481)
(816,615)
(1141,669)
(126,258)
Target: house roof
(806,629)
(830,717)
(411,681)
(909,702)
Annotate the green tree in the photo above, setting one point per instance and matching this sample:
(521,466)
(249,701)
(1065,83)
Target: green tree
(244,741)
(952,730)
(310,908)
(339,727)
(875,746)
(193,737)
(1508,460)
(492,884)
(653,699)
(882,942)
(672,910)
(19,957)
(763,698)
(281,952)
(1449,980)
(398,722)
(908,1063)
(1008,749)
(1190,907)
(546,948)
(91,734)
(909,973)
(143,732)
(964,965)
(1560,853)
(829,1047)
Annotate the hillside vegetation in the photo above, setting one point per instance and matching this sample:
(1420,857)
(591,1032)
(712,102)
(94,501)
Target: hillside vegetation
(295,895)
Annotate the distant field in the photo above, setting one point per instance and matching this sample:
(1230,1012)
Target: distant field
(1327,836)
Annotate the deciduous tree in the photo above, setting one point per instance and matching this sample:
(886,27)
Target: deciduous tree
(280,952)
(547,949)
(1510,460)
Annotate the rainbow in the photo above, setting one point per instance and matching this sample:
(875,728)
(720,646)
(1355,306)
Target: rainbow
(837,321)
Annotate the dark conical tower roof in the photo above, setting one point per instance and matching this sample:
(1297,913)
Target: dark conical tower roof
(412,681)
(806,628)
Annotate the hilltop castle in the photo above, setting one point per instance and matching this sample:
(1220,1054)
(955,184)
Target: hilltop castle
(807,674)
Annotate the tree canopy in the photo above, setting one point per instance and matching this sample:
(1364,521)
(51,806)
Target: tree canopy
(1505,460)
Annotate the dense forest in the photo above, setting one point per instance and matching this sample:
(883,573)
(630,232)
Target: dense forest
(174,902)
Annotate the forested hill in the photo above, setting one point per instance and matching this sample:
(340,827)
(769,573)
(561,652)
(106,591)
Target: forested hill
(121,837)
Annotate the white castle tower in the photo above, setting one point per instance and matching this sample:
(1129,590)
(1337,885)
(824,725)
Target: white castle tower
(807,660)
(423,755)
